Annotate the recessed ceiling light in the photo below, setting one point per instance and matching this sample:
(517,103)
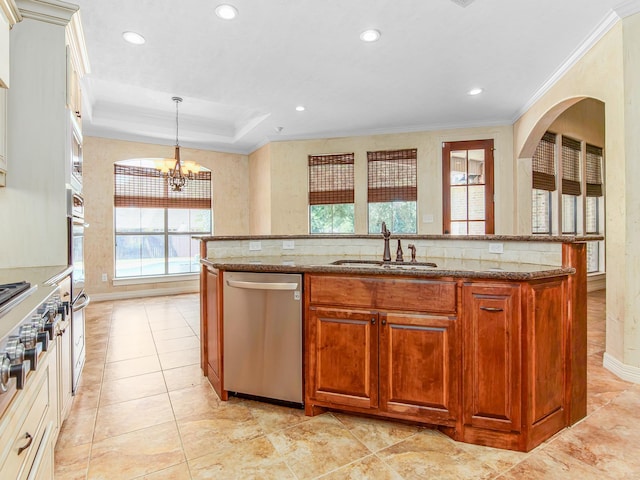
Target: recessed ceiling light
(370,35)
(133,38)
(300,108)
(226,12)
(475,91)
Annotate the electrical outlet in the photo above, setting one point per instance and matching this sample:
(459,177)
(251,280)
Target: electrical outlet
(104,277)
(288,245)
(427,218)
(496,248)
(255,245)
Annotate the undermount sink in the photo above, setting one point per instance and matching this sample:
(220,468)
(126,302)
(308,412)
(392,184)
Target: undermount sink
(381,264)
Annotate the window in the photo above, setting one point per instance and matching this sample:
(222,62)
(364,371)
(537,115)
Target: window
(571,179)
(467,176)
(331,193)
(593,205)
(541,211)
(580,208)
(543,183)
(154,225)
(392,190)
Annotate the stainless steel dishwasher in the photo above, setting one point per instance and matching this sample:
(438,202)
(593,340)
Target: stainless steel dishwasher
(262,329)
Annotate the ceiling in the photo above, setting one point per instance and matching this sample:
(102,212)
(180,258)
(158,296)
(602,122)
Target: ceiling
(241,79)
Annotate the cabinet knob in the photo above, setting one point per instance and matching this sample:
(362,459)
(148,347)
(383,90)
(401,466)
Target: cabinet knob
(373,320)
(384,322)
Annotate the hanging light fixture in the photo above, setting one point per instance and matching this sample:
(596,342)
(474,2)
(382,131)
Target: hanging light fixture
(176,172)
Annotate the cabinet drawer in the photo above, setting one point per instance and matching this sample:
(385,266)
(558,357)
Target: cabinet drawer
(28,431)
(385,293)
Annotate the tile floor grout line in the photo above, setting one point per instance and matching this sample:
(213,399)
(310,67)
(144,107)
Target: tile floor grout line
(173,411)
(95,420)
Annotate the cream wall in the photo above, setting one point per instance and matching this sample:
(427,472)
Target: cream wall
(289,176)
(610,72)
(583,121)
(230,183)
(260,191)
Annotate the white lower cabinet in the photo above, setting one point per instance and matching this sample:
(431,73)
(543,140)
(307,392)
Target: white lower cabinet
(29,425)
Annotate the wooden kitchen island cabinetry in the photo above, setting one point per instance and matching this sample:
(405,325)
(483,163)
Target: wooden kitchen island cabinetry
(484,361)
(211,328)
(370,348)
(489,353)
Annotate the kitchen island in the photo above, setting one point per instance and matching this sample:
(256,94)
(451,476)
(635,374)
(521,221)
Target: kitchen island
(489,351)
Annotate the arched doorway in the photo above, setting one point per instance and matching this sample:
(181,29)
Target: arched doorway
(573,131)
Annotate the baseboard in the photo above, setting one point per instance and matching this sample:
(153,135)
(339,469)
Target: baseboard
(596,281)
(625,372)
(151,292)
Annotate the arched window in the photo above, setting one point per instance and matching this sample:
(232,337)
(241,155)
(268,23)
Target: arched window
(154,224)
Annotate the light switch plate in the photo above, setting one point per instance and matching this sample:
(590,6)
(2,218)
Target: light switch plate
(255,245)
(427,218)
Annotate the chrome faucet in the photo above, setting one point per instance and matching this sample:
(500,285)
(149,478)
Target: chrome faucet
(412,247)
(386,256)
(399,253)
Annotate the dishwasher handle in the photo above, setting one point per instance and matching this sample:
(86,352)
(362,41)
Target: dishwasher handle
(262,285)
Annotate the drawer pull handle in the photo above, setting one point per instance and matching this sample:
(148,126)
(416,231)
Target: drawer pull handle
(491,309)
(29,440)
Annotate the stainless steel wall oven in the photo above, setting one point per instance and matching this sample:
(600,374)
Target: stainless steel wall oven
(79,298)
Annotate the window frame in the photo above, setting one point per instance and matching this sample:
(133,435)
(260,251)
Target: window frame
(137,184)
(331,182)
(392,180)
(489,192)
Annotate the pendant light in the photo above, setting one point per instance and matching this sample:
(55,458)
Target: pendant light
(174,170)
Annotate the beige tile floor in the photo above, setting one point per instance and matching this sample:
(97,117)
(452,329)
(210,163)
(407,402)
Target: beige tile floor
(145,411)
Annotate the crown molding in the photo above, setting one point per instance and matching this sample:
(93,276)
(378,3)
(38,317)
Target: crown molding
(77,45)
(594,37)
(50,11)
(10,11)
(628,8)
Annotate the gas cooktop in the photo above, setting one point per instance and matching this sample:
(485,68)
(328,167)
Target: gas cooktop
(11,293)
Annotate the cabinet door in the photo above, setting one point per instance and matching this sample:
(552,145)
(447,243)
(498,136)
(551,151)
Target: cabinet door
(491,359)
(64,371)
(213,368)
(418,367)
(343,357)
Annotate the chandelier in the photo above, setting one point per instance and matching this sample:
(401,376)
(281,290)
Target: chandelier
(176,172)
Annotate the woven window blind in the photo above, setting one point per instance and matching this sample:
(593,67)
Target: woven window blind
(594,171)
(143,187)
(331,179)
(571,166)
(544,163)
(392,176)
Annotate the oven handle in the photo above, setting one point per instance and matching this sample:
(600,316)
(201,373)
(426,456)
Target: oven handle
(82,304)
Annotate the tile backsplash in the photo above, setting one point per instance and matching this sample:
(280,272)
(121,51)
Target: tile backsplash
(539,253)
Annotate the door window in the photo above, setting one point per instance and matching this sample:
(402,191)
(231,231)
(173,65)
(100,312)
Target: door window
(468,187)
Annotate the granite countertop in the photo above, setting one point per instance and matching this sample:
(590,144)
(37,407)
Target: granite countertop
(445,267)
(493,238)
(43,284)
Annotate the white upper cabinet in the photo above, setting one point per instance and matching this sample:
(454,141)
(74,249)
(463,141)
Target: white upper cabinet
(9,15)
